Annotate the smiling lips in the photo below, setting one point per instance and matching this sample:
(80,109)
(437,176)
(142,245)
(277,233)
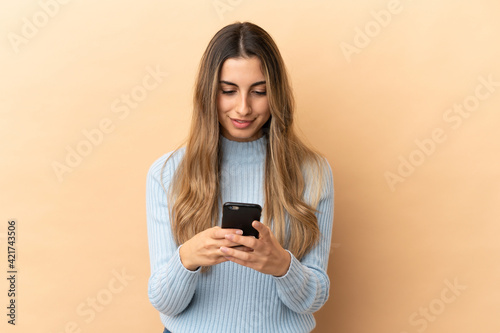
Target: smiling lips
(241,123)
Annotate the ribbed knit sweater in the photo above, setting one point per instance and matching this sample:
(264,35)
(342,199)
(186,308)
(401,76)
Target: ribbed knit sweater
(230,297)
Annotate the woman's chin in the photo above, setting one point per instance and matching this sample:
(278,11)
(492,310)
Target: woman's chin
(242,137)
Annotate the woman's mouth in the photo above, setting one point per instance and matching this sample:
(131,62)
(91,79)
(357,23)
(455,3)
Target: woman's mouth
(241,123)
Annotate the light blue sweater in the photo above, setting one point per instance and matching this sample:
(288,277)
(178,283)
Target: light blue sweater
(230,297)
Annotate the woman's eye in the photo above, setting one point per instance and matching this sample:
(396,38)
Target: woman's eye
(260,93)
(228,92)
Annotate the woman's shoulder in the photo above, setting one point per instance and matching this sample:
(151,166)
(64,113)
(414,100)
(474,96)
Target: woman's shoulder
(317,164)
(167,163)
(318,176)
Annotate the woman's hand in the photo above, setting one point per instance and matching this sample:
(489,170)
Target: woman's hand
(203,249)
(267,257)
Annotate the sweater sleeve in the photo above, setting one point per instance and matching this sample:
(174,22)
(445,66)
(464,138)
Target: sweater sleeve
(305,287)
(171,286)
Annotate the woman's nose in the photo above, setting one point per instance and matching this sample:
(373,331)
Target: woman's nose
(243,107)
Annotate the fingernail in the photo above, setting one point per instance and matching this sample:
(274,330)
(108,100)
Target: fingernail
(223,249)
(239,232)
(229,236)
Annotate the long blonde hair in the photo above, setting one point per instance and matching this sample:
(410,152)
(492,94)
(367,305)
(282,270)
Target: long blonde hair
(194,193)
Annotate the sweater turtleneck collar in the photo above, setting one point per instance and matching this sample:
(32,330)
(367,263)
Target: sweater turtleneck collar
(243,151)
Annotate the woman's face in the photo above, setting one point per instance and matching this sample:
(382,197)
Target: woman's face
(242,103)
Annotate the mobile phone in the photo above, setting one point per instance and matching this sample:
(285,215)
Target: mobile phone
(238,215)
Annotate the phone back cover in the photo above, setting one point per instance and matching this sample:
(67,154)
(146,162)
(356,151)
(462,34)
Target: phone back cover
(241,219)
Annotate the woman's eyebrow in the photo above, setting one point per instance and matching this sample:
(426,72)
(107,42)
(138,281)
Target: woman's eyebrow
(234,84)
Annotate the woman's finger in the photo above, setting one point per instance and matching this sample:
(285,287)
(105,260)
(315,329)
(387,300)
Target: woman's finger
(264,231)
(219,233)
(234,253)
(248,241)
(228,243)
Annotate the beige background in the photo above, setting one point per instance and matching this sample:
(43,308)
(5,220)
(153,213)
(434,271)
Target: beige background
(371,96)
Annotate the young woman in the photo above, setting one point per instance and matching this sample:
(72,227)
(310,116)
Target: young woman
(241,148)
